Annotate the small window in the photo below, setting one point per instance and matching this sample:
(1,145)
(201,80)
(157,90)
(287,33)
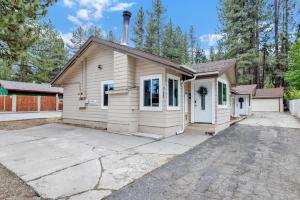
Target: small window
(173,92)
(222,94)
(151,93)
(105,86)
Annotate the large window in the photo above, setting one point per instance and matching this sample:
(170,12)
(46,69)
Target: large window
(222,93)
(105,86)
(173,92)
(151,93)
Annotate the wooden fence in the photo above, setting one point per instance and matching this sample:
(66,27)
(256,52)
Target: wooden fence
(30,103)
(5,103)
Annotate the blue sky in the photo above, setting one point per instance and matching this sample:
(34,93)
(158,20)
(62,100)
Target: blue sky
(107,14)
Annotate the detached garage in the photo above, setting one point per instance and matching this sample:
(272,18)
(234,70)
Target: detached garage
(269,99)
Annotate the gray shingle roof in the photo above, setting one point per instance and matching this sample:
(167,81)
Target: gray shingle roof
(30,87)
(245,89)
(216,66)
(270,92)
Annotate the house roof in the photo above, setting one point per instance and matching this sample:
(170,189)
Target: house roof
(123,49)
(217,66)
(245,89)
(30,87)
(269,92)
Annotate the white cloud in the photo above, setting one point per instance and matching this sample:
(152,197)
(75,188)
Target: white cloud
(83,14)
(210,39)
(122,6)
(66,37)
(115,28)
(75,20)
(69,3)
(96,6)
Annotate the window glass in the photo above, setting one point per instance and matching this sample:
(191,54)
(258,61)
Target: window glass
(170,92)
(176,93)
(224,94)
(106,87)
(155,92)
(220,93)
(147,92)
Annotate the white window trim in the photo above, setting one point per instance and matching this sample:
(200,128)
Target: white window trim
(170,76)
(150,108)
(227,92)
(102,93)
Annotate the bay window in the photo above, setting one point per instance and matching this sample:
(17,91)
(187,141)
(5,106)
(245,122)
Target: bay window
(151,93)
(222,94)
(173,85)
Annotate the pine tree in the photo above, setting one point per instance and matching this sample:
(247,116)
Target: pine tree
(94,31)
(138,29)
(150,39)
(192,43)
(200,56)
(177,40)
(184,49)
(211,54)
(111,36)
(79,36)
(168,42)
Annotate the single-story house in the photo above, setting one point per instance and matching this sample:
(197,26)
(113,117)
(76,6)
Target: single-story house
(268,99)
(21,96)
(126,90)
(242,99)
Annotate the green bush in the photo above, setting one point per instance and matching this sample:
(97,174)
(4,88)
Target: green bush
(293,94)
(269,85)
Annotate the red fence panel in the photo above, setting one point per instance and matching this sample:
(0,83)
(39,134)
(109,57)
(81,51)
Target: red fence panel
(48,103)
(27,103)
(5,103)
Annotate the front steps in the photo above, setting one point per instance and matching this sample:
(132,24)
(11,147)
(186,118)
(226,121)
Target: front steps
(202,128)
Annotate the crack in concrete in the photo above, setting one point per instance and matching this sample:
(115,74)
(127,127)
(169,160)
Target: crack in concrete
(56,171)
(101,173)
(25,141)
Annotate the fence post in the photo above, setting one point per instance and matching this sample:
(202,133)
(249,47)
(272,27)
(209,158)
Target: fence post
(14,103)
(57,102)
(39,104)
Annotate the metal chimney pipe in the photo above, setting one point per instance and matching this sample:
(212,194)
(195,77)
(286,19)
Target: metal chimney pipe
(126,19)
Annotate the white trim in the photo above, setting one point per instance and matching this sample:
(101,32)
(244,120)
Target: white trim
(213,98)
(150,108)
(102,92)
(193,102)
(227,92)
(170,76)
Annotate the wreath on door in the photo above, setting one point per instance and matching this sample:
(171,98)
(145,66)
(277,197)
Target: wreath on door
(202,91)
(241,100)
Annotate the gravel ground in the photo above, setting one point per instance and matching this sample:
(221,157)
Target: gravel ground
(243,162)
(13,188)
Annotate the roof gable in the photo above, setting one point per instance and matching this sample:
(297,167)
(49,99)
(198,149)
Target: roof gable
(245,89)
(270,92)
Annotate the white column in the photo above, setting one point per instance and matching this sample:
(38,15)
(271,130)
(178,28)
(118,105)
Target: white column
(57,102)
(39,104)
(14,103)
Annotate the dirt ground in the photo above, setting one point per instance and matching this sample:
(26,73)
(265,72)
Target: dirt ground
(22,124)
(13,188)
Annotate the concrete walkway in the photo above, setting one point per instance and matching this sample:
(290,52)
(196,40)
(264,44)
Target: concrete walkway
(65,162)
(257,158)
(4,117)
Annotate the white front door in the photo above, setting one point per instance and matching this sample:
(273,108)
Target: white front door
(203,103)
(241,102)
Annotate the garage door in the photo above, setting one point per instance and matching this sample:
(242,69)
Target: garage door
(265,104)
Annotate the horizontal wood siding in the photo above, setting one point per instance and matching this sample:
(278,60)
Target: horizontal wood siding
(73,83)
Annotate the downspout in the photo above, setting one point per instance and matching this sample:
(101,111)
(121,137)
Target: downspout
(183,102)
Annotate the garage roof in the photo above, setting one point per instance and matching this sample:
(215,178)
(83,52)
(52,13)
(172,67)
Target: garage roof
(269,92)
(30,87)
(245,89)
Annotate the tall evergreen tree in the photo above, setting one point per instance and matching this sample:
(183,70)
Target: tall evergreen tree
(138,29)
(200,56)
(111,36)
(212,54)
(168,42)
(151,36)
(192,43)
(79,36)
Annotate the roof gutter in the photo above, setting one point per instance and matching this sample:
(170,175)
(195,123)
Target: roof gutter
(183,103)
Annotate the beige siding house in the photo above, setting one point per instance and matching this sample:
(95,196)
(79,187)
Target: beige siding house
(125,90)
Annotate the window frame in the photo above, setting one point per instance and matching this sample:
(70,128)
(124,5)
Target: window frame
(224,103)
(102,93)
(160,91)
(173,77)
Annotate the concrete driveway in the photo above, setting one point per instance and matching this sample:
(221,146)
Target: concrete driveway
(65,162)
(258,158)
